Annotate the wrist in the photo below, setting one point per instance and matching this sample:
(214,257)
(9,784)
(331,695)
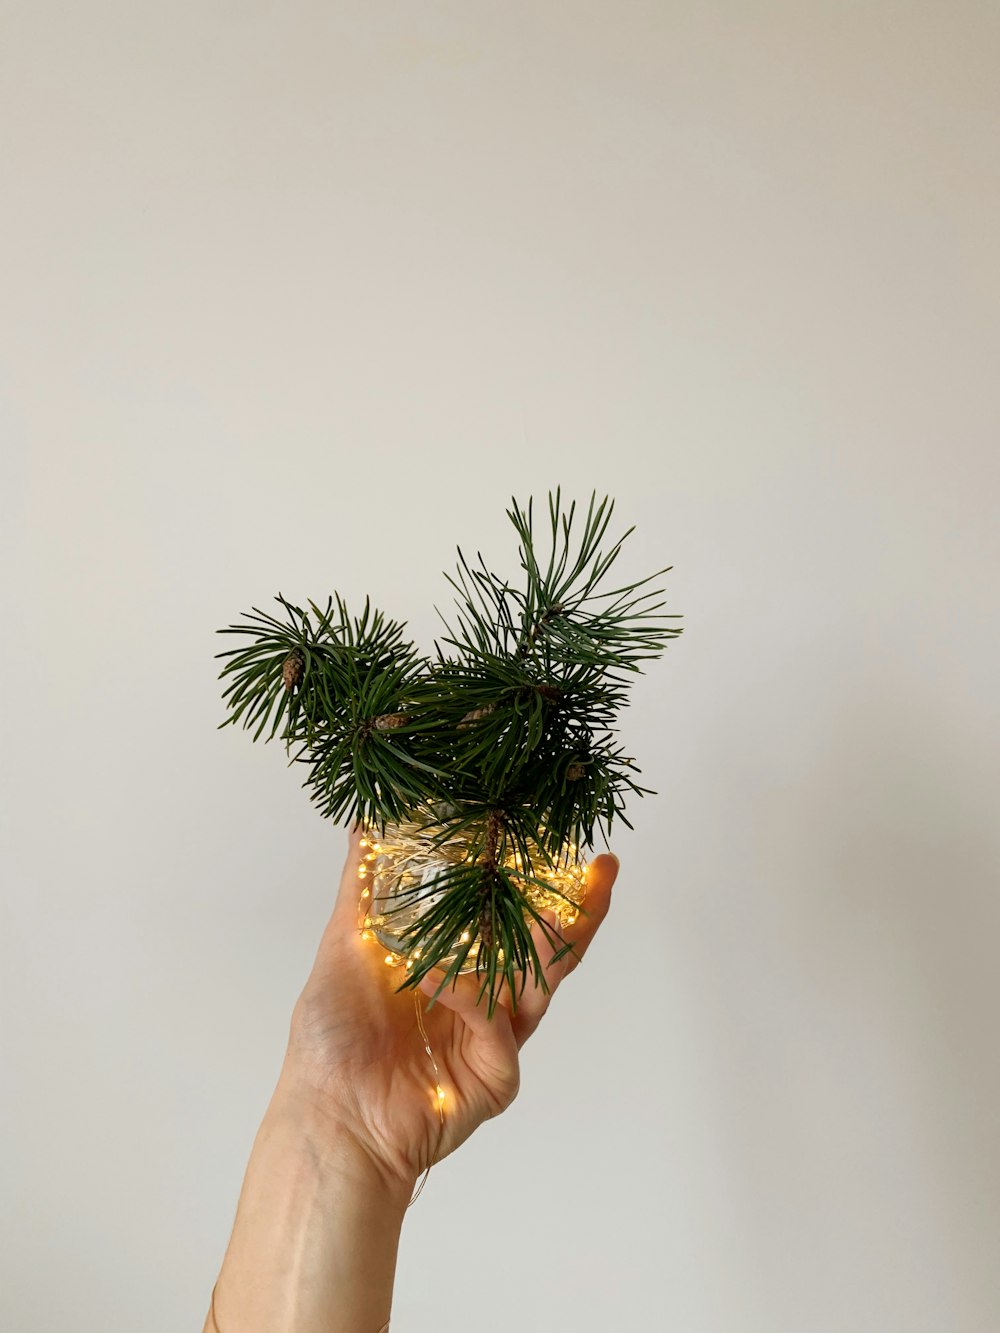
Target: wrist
(333,1141)
(317,1227)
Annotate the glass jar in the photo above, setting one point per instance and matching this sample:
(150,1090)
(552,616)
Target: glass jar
(404,874)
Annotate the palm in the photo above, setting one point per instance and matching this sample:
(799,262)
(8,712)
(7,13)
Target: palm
(358,1039)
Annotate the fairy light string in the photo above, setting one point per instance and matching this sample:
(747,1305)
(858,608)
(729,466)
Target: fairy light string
(370,851)
(400,872)
(568,883)
(386,865)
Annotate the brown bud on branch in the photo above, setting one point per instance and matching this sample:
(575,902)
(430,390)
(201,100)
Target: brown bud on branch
(292,668)
(389,721)
(476,714)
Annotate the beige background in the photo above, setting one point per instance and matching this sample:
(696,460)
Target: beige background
(294,298)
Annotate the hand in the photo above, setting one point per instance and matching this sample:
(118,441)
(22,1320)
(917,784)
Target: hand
(355,1050)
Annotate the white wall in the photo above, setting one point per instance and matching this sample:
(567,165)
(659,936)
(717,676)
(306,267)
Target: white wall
(294,298)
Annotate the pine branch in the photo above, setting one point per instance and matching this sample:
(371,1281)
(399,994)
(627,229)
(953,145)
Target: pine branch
(501,744)
(336,686)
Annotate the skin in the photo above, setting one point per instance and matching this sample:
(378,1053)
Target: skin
(353,1122)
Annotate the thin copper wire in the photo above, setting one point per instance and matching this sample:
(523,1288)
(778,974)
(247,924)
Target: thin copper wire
(437,1096)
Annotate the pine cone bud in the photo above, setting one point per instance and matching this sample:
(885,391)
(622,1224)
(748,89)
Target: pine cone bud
(575,771)
(389,721)
(476,714)
(291,671)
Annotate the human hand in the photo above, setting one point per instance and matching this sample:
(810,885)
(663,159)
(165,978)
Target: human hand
(356,1054)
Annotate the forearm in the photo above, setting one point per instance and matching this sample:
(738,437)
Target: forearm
(314,1244)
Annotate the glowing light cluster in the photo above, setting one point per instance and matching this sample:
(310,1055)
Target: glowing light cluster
(375,856)
(398,874)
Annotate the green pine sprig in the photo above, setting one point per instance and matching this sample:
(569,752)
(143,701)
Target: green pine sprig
(505,736)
